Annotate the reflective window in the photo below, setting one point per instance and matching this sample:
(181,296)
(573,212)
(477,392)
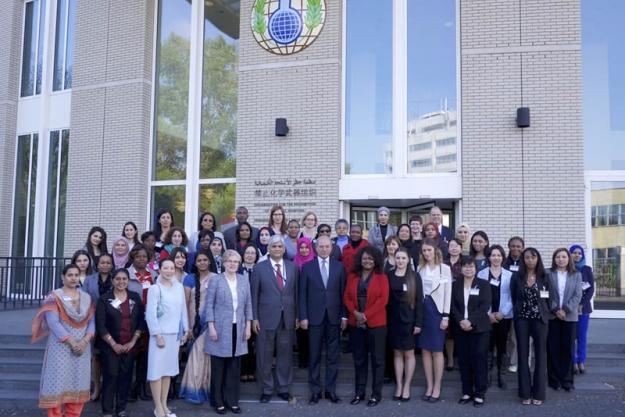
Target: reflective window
(603,59)
(431,86)
(64,44)
(219,200)
(608,241)
(368,87)
(172,89)
(219,90)
(32,52)
(24,202)
(170,197)
(57,190)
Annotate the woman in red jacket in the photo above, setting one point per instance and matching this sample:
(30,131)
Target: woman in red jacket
(366,296)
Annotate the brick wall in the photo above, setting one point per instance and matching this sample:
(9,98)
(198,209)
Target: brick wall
(110,126)
(305,89)
(523,181)
(10,58)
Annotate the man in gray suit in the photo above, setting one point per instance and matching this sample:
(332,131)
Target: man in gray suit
(274,299)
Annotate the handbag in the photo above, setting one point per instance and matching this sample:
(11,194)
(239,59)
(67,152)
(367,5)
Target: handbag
(160,310)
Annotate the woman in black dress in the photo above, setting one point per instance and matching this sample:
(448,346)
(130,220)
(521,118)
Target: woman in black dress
(405,318)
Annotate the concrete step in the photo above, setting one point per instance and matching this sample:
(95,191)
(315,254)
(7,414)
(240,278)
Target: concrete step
(21,365)
(21,350)
(18,339)
(19,381)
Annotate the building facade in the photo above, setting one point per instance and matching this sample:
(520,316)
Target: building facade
(111,110)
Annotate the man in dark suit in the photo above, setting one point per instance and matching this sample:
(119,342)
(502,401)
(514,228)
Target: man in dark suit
(230,230)
(436,217)
(322,312)
(274,285)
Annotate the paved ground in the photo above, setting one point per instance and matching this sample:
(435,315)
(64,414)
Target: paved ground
(600,393)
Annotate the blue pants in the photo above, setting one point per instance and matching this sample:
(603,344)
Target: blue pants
(582,331)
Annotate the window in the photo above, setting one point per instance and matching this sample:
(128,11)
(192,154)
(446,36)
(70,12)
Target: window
(32,49)
(420,146)
(445,142)
(64,44)
(431,79)
(195,172)
(400,85)
(369,87)
(603,76)
(421,163)
(24,202)
(57,190)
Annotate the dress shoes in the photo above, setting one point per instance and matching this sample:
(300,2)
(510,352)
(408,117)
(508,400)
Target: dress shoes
(332,397)
(285,396)
(372,402)
(357,399)
(265,398)
(314,399)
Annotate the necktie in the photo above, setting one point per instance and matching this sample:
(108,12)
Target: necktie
(279,277)
(324,273)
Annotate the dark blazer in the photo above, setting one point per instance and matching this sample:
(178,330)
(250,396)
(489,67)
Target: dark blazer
(587,277)
(377,298)
(109,318)
(399,308)
(315,299)
(269,303)
(336,251)
(230,236)
(572,294)
(478,305)
(446,233)
(517,283)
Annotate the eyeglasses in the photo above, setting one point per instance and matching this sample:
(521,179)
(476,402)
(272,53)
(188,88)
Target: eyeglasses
(324,231)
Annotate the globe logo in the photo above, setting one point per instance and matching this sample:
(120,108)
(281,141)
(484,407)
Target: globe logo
(284,27)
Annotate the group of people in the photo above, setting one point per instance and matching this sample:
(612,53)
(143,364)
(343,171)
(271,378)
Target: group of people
(230,306)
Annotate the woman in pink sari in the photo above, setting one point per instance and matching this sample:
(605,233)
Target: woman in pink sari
(305,253)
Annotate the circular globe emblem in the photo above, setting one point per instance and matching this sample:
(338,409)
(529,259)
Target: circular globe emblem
(285,27)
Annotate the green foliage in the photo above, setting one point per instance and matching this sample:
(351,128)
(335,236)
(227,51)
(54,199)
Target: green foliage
(219,200)
(258,23)
(313,15)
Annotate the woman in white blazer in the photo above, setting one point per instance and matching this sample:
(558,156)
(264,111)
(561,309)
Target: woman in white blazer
(436,278)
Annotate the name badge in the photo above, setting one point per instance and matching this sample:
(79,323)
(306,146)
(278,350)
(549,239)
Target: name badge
(145,284)
(495,282)
(474,291)
(585,285)
(544,294)
(514,268)
(67,298)
(405,287)
(116,303)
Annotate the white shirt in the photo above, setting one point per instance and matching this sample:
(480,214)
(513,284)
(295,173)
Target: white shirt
(235,299)
(561,285)
(427,277)
(320,260)
(467,293)
(275,269)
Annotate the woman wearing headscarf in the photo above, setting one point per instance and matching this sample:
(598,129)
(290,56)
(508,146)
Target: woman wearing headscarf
(120,251)
(262,240)
(463,234)
(380,231)
(305,253)
(430,231)
(67,318)
(585,308)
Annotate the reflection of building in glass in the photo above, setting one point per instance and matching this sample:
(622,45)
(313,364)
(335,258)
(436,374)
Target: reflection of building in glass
(432,142)
(608,240)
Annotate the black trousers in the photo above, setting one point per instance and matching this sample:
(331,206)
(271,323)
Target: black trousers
(116,380)
(331,334)
(225,374)
(531,387)
(368,343)
(472,351)
(248,361)
(141,363)
(499,340)
(303,355)
(560,343)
